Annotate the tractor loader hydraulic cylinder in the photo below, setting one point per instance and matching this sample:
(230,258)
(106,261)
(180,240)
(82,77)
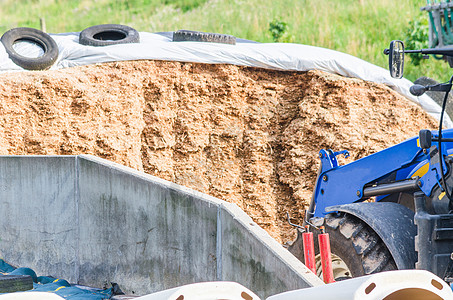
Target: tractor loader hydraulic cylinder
(391,188)
(326,257)
(309,249)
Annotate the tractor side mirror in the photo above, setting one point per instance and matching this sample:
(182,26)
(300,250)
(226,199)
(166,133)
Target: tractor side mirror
(396,59)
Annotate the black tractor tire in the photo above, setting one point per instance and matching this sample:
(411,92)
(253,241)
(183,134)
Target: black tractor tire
(352,242)
(108,34)
(15,283)
(438,97)
(36,36)
(198,36)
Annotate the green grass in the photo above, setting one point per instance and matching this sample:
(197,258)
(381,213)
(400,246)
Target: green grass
(362,28)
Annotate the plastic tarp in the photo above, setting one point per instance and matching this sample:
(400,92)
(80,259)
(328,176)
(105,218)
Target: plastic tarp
(58,286)
(390,285)
(204,291)
(279,56)
(30,296)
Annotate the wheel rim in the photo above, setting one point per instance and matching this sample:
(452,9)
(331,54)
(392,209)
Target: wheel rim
(340,269)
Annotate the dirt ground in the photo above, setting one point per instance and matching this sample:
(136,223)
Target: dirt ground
(245,135)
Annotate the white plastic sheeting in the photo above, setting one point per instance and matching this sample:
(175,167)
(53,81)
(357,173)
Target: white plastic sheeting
(280,56)
(205,291)
(30,296)
(392,285)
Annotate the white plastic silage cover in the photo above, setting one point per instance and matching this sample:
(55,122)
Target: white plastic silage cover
(280,56)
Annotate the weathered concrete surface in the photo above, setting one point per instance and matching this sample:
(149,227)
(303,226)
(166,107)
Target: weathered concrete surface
(38,222)
(91,221)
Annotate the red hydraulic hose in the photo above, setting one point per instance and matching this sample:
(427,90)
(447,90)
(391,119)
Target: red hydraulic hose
(326,258)
(309,249)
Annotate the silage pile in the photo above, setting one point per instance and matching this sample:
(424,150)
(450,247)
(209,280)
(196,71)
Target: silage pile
(245,135)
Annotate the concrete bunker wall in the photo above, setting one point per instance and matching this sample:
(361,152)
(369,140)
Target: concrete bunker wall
(91,221)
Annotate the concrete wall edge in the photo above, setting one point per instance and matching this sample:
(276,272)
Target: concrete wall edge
(156,180)
(271,244)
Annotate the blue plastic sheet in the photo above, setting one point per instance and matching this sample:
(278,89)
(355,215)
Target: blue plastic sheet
(57,286)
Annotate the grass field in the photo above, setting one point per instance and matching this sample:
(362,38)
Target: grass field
(362,28)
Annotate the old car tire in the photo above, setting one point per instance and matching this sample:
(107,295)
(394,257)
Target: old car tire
(198,36)
(108,34)
(352,242)
(15,283)
(38,37)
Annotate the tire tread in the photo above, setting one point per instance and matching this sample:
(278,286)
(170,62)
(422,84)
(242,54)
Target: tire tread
(375,256)
(198,36)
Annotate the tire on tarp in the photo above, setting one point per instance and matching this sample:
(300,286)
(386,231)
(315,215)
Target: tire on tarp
(37,37)
(108,34)
(207,37)
(15,283)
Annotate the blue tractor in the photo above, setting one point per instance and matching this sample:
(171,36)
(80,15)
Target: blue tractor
(393,209)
